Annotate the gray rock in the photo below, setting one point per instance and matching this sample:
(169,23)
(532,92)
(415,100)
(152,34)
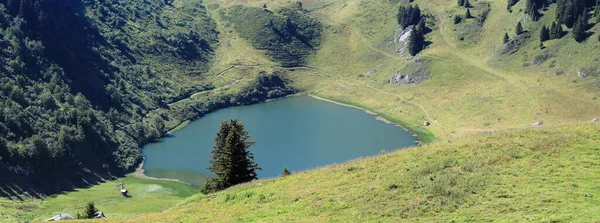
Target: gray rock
(582,73)
(414,78)
(537,124)
(595,119)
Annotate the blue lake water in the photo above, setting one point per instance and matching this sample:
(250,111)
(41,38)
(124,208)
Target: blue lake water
(299,133)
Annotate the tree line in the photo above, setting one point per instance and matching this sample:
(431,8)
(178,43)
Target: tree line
(409,16)
(574,14)
(79,77)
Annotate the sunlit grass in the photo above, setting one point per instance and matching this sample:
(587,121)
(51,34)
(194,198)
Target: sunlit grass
(484,165)
(544,174)
(146,196)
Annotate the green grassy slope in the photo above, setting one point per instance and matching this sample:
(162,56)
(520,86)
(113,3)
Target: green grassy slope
(538,175)
(485,165)
(469,90)
(147,196)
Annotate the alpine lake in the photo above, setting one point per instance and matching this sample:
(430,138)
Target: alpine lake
(298,133)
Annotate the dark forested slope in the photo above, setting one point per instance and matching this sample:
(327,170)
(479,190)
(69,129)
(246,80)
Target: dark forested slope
(77,76)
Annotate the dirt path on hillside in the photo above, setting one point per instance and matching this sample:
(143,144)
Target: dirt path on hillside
(367,43)
(405,100)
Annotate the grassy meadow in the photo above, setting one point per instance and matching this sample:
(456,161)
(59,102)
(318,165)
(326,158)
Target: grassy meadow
(485,163)
(545,174)
(480,162)
(146,196)
(470,90)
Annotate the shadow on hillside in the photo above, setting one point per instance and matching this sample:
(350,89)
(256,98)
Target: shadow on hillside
(17,187)
(72,42)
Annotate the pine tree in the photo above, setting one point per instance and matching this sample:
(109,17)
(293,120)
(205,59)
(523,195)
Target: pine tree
(90,210)
(511,3)
(561,9)
(467,4)
(468,14)
(531,8)
(579,28)
(556,31)
(544,34)
(408,15)
(567,11)
(519,28)
(506,38)
(285,172)
(231,160)
(457,19)
(415,42)
(401,16)
(461,2)
(421,27)
(415,15)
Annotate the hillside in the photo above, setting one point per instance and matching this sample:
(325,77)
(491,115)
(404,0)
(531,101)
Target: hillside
(86,83)
(81,81)
(535,175)
(484,165)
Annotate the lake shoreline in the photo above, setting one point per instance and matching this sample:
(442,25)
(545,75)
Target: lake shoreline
(377,116)
(139,173)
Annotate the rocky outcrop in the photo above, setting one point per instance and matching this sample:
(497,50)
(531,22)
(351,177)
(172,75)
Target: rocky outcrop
(414,78)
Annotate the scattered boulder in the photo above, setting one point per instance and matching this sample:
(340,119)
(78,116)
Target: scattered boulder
(582,73)
(414,78)
(595,119)
(537,124)
(371,72)
(100,215)
(513,45)
(426,123)
(399,79)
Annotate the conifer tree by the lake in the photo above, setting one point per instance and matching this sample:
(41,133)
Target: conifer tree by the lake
(231,160)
